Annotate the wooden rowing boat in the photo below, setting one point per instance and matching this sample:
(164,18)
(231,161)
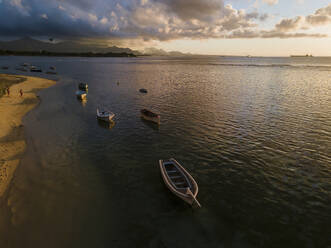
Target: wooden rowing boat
(179,181)
(150,116)
(143,90)
(81,94)
(105,115)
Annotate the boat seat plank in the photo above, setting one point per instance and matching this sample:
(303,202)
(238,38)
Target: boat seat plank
(171,171)
(179,183)
(175,177)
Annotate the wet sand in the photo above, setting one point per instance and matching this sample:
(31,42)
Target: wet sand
(12,109)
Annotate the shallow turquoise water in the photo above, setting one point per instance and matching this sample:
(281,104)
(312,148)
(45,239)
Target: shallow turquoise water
(255,133)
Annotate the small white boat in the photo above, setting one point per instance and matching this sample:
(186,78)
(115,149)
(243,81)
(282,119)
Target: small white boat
(105,115)
(83,86)
(179,181)
(81,94)
(150,116)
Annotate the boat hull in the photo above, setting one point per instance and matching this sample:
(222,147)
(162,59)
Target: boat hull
(152,119)
(81,97)
(106,119)
(182,194)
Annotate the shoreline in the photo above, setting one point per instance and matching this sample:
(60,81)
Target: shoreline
(12,109)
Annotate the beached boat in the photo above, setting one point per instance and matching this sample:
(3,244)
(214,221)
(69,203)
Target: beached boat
(143,91)
(83,86)
(179,181)
(150,116)
(81,94)
(105,115)
(35,69)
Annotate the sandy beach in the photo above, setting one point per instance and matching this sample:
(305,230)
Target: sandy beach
(12,109)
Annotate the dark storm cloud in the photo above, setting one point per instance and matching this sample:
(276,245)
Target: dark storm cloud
(194,9)
(81,4)
(52,18)
(143,19)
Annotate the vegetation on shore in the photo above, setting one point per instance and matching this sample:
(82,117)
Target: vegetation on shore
(63,54)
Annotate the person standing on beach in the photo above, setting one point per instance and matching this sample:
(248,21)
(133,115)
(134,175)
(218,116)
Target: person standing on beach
(8,92)
(21,92)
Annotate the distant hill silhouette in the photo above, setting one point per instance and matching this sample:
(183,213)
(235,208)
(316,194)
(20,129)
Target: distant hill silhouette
(161,52)
(28,44)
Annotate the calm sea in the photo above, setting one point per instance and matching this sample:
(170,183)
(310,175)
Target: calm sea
(255,133)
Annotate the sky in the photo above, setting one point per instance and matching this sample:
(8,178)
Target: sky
(220,27)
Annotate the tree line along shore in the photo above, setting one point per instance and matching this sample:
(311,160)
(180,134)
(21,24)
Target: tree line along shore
(62,54)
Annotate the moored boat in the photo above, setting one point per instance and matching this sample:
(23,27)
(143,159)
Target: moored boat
(150,116)
(35,69)
(179,181)
(81,94)
(83,86)
(105,115)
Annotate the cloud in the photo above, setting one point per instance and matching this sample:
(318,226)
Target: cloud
(44,16)
(147,20)
(257,15)
(290,24)
(23,9)
(321,16)
(194,9)
(250,34)
(270,2)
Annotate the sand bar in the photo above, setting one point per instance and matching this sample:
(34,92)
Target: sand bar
(12,109)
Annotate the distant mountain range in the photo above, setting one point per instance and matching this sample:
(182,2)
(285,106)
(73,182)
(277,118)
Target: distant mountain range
(161,52)
(28,44)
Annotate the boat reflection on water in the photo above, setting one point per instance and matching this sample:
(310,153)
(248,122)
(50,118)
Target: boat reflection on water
(150,124)
(82,101)
(107,125)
